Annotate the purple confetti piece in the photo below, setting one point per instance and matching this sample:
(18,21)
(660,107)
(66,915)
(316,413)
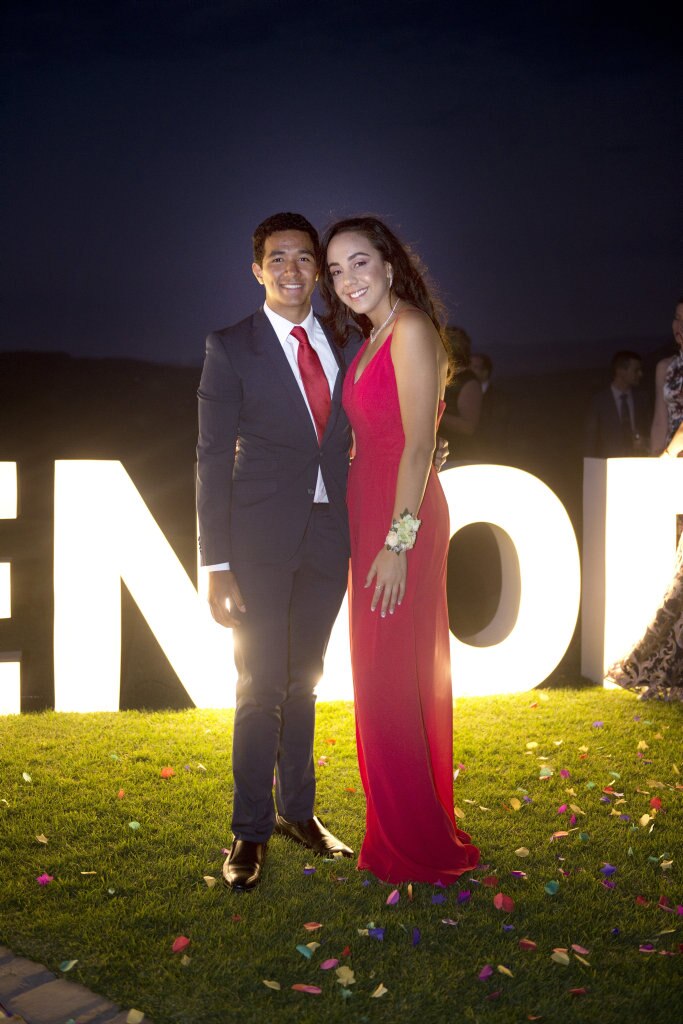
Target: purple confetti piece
(518,874)
(604,799)
(376,933)
(438,897)
(416,936)
(464,896)
(607,884)
(608,869)
(485,973)
(598,724)
(615,931)
(393,898)
(565,773)
(624,817)
(309,871)
(508,927)
(528,799)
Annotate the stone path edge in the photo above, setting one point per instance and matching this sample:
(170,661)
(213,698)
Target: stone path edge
(30,994)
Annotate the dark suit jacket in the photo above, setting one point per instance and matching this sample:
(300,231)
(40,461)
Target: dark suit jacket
(258,454)
(603,437)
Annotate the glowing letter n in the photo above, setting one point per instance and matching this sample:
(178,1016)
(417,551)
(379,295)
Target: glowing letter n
(104,533)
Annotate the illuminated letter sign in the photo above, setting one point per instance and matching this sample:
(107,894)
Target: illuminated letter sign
(104,533)
(541,586)
(629,552)
(10,669)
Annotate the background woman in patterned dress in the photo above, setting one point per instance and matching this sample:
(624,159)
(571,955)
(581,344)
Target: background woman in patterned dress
(654,668)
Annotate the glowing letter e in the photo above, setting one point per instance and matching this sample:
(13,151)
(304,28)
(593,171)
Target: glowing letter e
(104,533)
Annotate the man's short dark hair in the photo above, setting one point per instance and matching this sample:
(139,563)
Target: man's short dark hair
(620,360)
(283,222)
(486,360)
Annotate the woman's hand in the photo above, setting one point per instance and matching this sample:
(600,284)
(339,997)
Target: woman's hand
(388,572)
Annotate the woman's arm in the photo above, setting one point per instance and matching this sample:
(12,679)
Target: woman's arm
(660,420)
(466,420)
(420,364)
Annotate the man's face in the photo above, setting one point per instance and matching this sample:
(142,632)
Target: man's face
(288,273)
(479,368)
(633,373)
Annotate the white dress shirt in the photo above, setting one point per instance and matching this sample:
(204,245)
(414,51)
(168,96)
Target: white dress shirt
(290,347)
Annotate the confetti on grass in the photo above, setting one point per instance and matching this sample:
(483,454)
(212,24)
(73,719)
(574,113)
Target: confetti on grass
(44,879)
(310,990)
(180,944)
(274,985)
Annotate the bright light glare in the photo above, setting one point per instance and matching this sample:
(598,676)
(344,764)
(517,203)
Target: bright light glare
(10,687)
(629,552)
(104,533)
(10,670)
(539,602)
(5,590)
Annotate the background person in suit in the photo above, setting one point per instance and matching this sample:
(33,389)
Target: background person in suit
(273,457)
(618,416)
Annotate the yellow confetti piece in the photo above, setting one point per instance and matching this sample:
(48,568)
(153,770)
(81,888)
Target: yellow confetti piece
(584,750)
(209,881)
(185,960)
(522,851)
(642,745)
(674,768)
(645,820)
(531,745)
(88,872)
(345,976)
(576,809)
(570,792)
(275,985)
(458,812)
(135,1017)
(482,808)
(543,696)
(666,864)
(505,970)
(41,839)
(313,946)
(560,957)
(515,803)
(558,743)
(379,991)
(581,960)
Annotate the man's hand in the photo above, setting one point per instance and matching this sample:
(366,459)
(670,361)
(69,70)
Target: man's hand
(441,453)
(224,596)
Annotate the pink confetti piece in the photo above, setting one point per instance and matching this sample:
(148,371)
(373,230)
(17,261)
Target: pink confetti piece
(490,880)
(448,921)
(44,879)
(664,904)
(327,965)
(565,773)
(494,995)
(120,795)
(167,772)
(322,761)
(642,902)
(578,991)
(562,808)
(312,926)
(485,972)
(527,944)
(503,902)
(180,944)
(393,898)
(310,990)
(580,949)
(464,896)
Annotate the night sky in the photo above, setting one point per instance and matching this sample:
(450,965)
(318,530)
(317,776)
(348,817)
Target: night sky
(531,154)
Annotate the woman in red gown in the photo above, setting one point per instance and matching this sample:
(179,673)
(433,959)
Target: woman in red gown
(393,396)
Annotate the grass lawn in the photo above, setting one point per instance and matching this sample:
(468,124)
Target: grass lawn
(121,895)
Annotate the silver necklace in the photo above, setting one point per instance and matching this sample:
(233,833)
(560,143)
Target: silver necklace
(374,332)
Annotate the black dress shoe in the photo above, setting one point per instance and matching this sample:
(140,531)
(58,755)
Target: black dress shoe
(313,835)
(242,869)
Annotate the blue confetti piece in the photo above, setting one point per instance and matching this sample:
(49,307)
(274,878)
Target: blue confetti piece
(376,933)
(416,936)
(305,951)
(438,897)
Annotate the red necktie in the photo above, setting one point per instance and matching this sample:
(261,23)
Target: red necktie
(315,382)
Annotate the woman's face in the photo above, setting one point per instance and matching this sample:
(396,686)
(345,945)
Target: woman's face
(360,275)
(677,325)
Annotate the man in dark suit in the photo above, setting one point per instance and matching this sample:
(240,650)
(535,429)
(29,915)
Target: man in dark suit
(618,418)
(273,457)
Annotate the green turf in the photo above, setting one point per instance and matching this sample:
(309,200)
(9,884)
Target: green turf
(120,923)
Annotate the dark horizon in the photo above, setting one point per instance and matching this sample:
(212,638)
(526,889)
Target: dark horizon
(529,156)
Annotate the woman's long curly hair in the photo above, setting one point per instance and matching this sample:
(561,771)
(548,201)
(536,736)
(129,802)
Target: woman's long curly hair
(408,281)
